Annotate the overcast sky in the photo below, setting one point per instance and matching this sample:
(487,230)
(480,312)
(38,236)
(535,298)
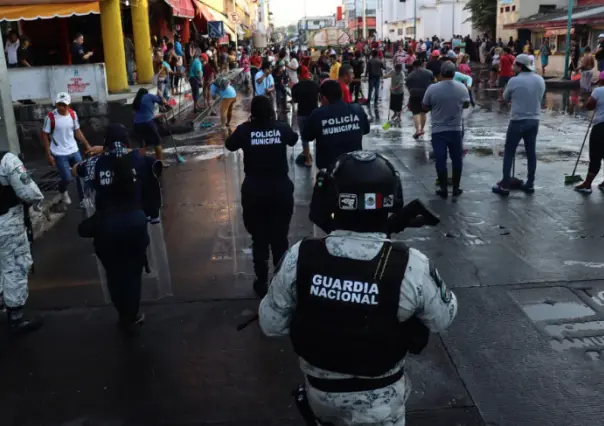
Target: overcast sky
(287,12)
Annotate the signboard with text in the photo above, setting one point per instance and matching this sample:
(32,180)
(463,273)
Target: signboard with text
(215,29)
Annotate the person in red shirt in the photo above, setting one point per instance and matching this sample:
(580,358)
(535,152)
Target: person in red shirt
(255,64)
(345,77)
(506,70)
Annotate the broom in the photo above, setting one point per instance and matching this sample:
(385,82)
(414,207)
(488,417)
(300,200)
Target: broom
(572,179)
(179,157)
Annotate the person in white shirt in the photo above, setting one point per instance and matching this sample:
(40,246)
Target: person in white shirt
(59,133)
(11,48)
(292,70)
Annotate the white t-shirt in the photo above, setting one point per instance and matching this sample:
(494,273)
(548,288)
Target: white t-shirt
(11,52)
(598,95)
(293,74)
(62,139)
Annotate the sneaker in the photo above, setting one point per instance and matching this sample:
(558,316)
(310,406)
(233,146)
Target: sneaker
(498,189)
(65,198)
(601,187)
(584,188)
(526,188)
(457,192)
(442,193)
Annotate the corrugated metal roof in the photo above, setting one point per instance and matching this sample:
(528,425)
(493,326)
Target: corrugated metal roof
(582,14)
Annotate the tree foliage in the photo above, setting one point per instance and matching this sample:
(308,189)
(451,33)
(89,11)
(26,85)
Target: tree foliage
(484,15)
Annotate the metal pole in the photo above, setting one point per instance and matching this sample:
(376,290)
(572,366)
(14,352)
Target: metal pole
(364,20)
(9,138)
(414,19)
(568,29)
(453,21)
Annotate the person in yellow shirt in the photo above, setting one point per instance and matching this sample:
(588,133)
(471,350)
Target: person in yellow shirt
(334,70)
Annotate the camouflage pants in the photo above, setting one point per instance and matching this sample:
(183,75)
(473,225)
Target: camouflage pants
(15,263)
(380,407)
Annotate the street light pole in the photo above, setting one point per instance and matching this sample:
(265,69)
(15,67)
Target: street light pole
(414,19)
(364,20)
(568,29)
(453,21)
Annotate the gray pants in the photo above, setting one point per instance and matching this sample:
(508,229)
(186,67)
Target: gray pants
(586,79)
(15,263)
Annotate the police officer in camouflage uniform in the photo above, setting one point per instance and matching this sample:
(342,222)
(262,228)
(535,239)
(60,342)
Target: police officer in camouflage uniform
(354,303)
(17,192)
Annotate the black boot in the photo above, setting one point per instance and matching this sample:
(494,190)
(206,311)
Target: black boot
(19,323)
(443,180)
(457,191)
(261,287)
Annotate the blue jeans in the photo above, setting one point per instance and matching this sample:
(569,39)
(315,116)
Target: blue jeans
(301,123)
(374,84)
(520,130)
(64,165)
(451,141)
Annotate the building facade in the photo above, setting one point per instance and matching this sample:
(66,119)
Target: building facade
(313,23)
(442,18)
(511,11)
(353,16)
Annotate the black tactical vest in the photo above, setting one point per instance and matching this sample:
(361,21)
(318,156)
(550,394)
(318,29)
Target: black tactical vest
(346,314)
(8,197)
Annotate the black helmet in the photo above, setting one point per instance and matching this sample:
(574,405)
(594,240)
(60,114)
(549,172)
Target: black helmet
(361,190)
(117,132)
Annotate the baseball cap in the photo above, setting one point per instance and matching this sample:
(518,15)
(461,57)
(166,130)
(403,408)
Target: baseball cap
(526,61)
(436,53)
(448,70)
(204,57)
(601,36)
(63,98)
(451,55)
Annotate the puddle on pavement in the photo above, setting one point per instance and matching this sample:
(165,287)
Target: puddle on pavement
(196,152)
(551,304)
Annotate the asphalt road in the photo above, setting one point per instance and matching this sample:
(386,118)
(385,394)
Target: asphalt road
(525,348)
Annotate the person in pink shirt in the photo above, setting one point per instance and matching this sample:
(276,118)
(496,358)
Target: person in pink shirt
(463,66)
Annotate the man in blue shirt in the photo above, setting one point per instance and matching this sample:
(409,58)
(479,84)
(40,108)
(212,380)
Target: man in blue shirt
(263,80)
(195,78)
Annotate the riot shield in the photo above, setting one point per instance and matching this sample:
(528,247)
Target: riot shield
(157,281)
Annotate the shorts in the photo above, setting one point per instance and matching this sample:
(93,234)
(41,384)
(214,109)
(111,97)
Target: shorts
(396,102)
(503,81)
(415,105)
(147,134)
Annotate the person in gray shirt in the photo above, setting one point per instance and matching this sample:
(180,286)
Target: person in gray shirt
(417,83)
(374,69)
(525,92)
(446,100)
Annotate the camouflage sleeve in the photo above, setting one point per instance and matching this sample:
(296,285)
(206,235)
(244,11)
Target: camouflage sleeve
(19,178)
(278,305)
(425,294)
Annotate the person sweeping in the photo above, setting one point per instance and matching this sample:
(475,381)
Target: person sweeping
(397,91)
(595,103)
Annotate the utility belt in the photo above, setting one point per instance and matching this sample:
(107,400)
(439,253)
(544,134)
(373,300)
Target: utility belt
(354,384)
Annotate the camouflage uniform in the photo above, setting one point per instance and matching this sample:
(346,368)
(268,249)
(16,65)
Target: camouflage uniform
(420,294)
(15,255)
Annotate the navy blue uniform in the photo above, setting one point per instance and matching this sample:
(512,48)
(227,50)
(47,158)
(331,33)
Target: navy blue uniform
(338,128)
(120,225)
(267,193)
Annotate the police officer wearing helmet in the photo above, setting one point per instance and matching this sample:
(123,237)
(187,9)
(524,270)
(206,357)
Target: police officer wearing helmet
(267,193)
(17,192)
(336,126)
(127,195)
(354,303)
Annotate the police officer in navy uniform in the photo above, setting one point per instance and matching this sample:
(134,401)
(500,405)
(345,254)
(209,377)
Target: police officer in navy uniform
(336,126)
(127,196)
(267,193)
(354,303)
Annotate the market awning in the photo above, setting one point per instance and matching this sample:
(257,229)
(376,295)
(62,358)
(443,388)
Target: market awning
(182,8)
(210,14)
(557,32)
(47,11)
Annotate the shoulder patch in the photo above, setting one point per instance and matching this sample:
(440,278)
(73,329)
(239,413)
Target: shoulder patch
(445,293)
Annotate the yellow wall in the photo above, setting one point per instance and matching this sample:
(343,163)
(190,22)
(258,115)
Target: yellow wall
(215,4)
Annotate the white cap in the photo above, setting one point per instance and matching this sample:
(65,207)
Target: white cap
(526,61)
(601,36)
(63,98)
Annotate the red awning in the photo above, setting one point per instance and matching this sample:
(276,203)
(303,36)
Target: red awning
(182,8)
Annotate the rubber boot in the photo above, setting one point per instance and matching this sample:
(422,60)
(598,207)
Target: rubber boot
(457,191)
(443,180)
(19,323)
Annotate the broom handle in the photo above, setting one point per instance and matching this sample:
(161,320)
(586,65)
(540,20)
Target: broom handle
(584,139)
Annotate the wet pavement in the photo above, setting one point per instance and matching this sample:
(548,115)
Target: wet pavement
(525,348)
